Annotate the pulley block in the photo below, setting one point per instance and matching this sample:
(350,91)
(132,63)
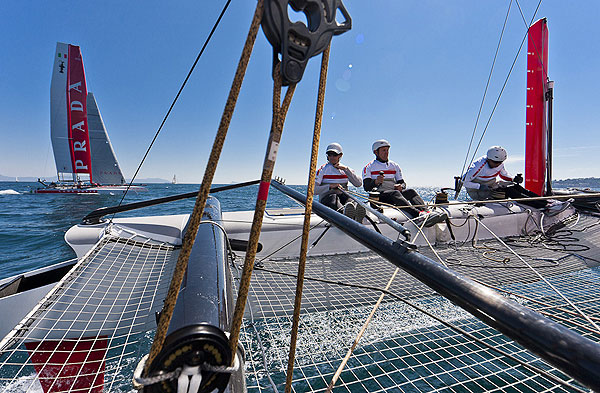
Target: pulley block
(296,42)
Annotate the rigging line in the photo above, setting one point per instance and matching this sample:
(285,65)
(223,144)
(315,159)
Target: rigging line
(544,306)
(279,113)
(360,334)
(504,85)
(375,307)
(257,335)
(307,212)
(461,331)
(485,90)
(214,28)
(540,198)
(559,293)
(211,167)
(533,42)
(289,242)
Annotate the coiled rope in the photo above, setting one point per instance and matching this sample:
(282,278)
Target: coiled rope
(196,216)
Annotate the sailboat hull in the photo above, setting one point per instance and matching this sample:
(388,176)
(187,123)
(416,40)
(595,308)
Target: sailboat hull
(111,190)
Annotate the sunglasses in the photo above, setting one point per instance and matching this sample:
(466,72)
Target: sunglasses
(332,153)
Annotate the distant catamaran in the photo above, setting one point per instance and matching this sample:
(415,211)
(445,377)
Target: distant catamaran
(84,157)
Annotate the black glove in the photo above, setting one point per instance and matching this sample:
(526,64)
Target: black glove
(483,187)
(518,179)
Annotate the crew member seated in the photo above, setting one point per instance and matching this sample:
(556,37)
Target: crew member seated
(481,182)
(385,177)
(332,178)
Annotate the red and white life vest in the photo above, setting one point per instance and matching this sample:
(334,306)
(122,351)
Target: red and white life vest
(481,173)
(392,173)
(328,174)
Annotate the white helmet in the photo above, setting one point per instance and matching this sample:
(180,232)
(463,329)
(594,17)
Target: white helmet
(380,143)
(334,147)
(496,153)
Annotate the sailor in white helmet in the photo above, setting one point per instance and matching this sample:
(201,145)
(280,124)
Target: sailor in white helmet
(481,182)
(481,177)
(385,176)
(332,178)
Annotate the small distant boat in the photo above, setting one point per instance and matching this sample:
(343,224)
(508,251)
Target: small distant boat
(84,157)
(174,181)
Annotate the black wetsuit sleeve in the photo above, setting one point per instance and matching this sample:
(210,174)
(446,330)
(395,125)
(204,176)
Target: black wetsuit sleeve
(368,184)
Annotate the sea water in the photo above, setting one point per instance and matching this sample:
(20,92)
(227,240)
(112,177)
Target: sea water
(32,226)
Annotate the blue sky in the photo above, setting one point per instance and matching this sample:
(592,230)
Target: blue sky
(412,72)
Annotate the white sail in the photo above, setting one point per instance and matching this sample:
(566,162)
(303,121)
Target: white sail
(105,168)
(59,128)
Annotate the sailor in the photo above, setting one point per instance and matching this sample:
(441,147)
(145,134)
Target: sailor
(481,182)
(481,177)
(385,176)
(332,178)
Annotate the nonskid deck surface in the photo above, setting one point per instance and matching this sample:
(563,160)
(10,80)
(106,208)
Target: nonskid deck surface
(404,349)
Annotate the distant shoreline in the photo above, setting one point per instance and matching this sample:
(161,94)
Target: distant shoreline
(584,182)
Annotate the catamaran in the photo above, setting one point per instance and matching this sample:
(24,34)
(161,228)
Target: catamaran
(499,297)
(84,157)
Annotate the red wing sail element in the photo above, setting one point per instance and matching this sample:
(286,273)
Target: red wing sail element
(535,112)
(79,141)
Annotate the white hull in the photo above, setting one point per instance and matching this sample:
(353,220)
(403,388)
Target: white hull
(281,229)
(110,190)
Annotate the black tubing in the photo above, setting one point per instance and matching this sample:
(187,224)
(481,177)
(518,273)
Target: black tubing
(95,216)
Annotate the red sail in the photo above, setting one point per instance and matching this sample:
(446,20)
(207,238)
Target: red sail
(535,112)
(79,141)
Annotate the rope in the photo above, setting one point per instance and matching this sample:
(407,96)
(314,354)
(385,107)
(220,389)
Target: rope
(540,198)
(443,322)
(360,334)
(504,85)
(462,172)
(211,166)
(182,374)
(545,305)
(307,213)
(537,51)
(375,307)
(279,113)
(174,101)
(583,315)
(288,243)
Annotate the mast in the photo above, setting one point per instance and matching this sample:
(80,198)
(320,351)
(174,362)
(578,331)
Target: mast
(535,112)
(79,141)
(68,114)
(58,112)
(549,99)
